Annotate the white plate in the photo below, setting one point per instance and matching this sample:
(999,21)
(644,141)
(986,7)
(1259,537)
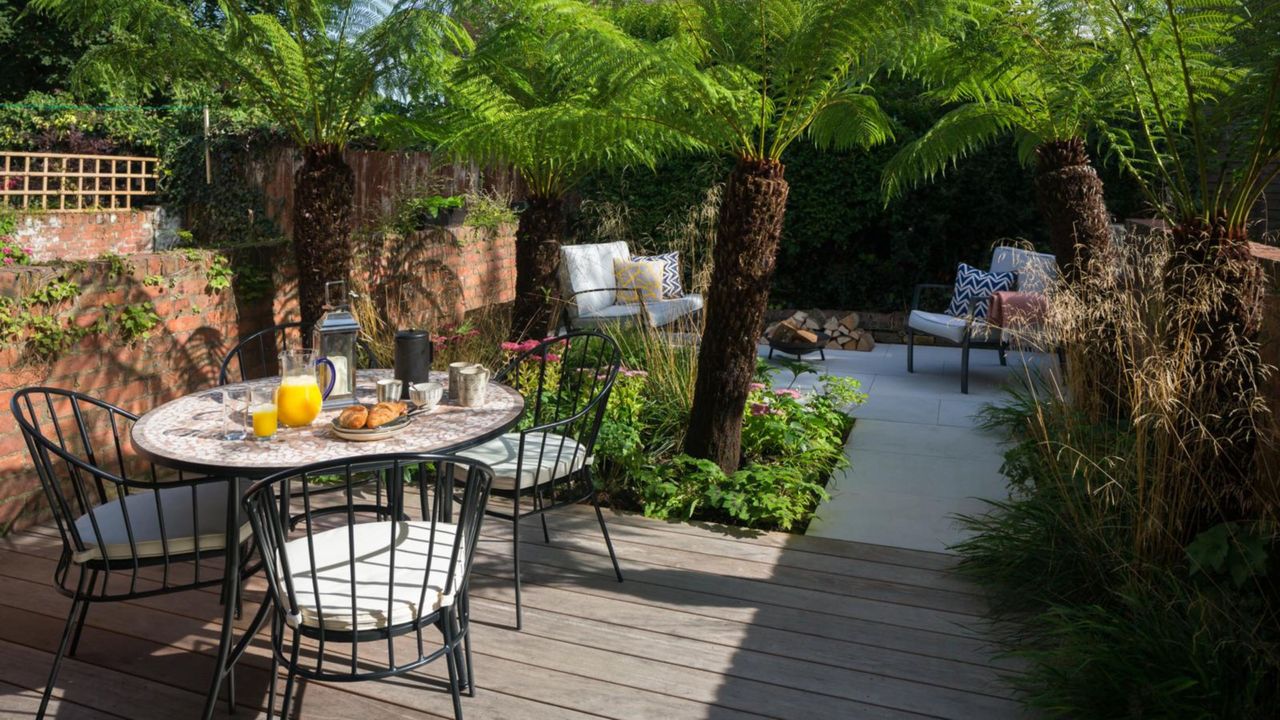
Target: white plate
(382,432)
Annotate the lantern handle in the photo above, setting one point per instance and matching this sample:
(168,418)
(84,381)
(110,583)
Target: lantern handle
(333,377)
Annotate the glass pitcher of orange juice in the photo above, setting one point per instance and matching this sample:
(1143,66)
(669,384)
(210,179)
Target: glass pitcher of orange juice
(298,398)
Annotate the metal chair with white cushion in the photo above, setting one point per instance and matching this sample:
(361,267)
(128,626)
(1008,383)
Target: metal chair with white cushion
(348,576)
(1035,273)
(127,532)
(547,464)
(592,297)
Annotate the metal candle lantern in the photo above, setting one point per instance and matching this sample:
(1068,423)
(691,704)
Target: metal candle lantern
(335,339)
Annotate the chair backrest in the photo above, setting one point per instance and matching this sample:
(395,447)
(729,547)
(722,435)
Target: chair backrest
(1036,272)
(256,356)
(112,511)
(566,382)
(590,267)
(373,559)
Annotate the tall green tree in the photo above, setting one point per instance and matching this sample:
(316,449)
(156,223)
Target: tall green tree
(1205,148)
(517,101)
(312,66)
(1032,72)
(746,79)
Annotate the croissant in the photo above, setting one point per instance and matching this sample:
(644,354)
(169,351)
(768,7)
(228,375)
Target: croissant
(383,413)
(354,417)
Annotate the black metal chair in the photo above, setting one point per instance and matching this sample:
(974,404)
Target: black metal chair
(127,532)
(255,356)
(547,463)
(346,580)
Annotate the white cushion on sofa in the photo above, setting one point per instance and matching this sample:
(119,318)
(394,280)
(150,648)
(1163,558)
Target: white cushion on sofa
(589,267)
(946,326)
(661,312)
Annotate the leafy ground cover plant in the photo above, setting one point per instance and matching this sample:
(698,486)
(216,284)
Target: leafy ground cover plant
(792,441)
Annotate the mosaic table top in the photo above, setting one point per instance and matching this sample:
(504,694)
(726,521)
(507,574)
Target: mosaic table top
(186,433)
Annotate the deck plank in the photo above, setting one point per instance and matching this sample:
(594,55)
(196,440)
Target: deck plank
(710,623)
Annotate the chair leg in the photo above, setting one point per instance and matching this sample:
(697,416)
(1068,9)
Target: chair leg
(515,553)
(964,366)
(607,541)
(1004,354)
(75,612)
(911,350)
(451,659)
(275,670)
(225,642)
(546,536)
(75,639)
(288,683)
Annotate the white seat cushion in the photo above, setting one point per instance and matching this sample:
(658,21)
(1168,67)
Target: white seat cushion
(1037,272)
(946,326)
(144,522)
(547,457)
(589,267)
(661,312)
(330,608)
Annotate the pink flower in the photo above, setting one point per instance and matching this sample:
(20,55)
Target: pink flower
(634,373)
(8,261)
(8,250)
(551,357)
(755,386)
(788,392)
(510,347)
(759,409)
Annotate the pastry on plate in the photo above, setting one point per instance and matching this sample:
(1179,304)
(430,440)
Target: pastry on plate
(354,417)
(383,413)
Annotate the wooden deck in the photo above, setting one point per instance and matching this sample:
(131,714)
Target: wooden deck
(707,625)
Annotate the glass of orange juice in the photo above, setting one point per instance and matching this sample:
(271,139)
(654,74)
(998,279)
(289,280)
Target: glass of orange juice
(298,399)
(262,409)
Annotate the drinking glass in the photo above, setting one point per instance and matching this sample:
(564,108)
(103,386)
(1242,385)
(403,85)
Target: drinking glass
(235,406)
(262,408)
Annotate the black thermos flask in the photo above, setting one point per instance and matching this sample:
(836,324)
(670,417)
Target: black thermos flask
(413,358)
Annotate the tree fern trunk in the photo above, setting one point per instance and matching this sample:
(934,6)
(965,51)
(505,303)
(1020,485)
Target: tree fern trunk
(322,217)
(755,200)
(538,236)
(1069,193)
(1213,287)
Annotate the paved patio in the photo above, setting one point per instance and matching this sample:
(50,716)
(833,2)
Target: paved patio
(916,455)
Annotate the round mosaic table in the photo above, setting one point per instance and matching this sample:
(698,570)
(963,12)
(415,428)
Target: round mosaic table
(185,433)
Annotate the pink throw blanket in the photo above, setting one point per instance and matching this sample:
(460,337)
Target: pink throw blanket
(1010,309)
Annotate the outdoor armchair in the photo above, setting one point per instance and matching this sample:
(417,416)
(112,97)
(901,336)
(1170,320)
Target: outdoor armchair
(1034,272)
(591,297)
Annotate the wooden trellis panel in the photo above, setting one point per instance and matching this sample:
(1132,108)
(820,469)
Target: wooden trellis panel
(75,183)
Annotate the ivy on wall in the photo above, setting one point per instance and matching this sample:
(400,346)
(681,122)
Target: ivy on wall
(46,322)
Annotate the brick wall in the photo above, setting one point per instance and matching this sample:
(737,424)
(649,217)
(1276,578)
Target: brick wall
(87,235)
(181,355)
(435,276)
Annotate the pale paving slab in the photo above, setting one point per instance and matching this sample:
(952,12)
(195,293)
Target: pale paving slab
(918,457)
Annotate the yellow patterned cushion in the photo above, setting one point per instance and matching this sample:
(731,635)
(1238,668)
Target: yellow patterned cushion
(643,279)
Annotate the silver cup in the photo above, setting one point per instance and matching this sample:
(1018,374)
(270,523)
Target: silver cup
(472,384)
(454,369)
(389,390)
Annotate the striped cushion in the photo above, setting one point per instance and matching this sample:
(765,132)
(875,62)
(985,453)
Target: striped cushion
(671,286)
(643,278)
(977,285)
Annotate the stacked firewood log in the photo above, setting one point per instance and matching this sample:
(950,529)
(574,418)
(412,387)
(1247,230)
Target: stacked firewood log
(841,331)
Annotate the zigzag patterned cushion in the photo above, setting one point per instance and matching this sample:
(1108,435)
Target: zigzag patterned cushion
(671,286)
(979,285)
